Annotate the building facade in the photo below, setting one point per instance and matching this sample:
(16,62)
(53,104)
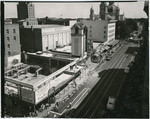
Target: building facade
(111,31)
(109,12)
(44,37)
(78,40)
(12,44)
(26,12)
(100,31)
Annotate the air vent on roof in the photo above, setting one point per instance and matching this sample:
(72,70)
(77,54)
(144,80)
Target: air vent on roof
(39,52)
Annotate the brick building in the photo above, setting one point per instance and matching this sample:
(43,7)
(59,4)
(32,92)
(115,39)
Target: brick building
(12,44)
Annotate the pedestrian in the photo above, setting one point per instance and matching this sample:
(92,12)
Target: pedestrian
(55,116)
(48,113)
(69,106)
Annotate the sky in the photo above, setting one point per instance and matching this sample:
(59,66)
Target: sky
(76,9)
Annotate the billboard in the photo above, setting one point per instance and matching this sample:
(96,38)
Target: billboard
(27,95)
(41,93)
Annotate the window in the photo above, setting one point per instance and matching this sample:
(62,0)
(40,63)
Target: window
(104,27)
(104,36)
(8,45)
(8,52)
(90,26)
(90,35)
(8,38)
(104,32)
(76,30)
(14,37)
(7,30)
(90,31)
(14,30)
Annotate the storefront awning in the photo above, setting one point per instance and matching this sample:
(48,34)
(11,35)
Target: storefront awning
(114,42)
(102,49)
(106,47)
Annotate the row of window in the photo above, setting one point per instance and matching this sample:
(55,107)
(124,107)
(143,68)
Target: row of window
(111,35)
(105,36)
(111,26)
(7,30)
(111,31)
(8,52)
(8,39)
(104,32)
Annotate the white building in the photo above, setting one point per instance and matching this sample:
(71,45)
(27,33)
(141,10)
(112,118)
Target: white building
(44,37)
(100,31)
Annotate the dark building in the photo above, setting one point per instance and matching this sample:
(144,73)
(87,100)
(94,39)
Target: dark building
(103,10)
(25,10)
(110,12)
(91,14)
(12,44)
(146,7)
(26,14)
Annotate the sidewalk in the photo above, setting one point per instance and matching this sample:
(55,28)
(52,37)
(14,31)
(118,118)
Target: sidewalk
(71,94)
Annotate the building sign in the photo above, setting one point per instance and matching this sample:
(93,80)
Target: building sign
(41,93)
(27,95)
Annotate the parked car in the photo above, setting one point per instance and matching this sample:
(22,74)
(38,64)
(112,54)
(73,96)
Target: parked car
(111,103)
(126,70)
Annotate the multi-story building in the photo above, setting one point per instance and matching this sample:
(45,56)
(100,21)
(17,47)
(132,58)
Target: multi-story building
(109,12)
(78,39)
(111,31)
(44,37)
(26,12)
(12,44)
(100,31)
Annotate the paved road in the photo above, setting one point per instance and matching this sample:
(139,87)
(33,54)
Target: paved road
(109,84)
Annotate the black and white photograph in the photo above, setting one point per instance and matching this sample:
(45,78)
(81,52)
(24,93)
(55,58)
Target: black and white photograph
(75,59)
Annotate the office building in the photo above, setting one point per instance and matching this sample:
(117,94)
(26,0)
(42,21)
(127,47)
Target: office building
(12,44)
(44,37)
(26,14)
(25,10)
(100,31)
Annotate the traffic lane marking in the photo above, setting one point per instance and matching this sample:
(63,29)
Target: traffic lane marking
(108,87)
(111,78)
(119,55)
(103,87)
(84,91)
(81,98)
(113,64)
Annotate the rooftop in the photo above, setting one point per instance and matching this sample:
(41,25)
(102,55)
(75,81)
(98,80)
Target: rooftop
(60,53)
(43,26)
(26,74)
(64,49)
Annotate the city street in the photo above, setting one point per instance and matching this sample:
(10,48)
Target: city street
(110,82)
(81,60)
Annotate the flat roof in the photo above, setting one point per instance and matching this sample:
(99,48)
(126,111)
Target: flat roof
(75,69)
(95,45)
(29,78)
(43,26)
(64,49)
(52,55)
(60,79)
